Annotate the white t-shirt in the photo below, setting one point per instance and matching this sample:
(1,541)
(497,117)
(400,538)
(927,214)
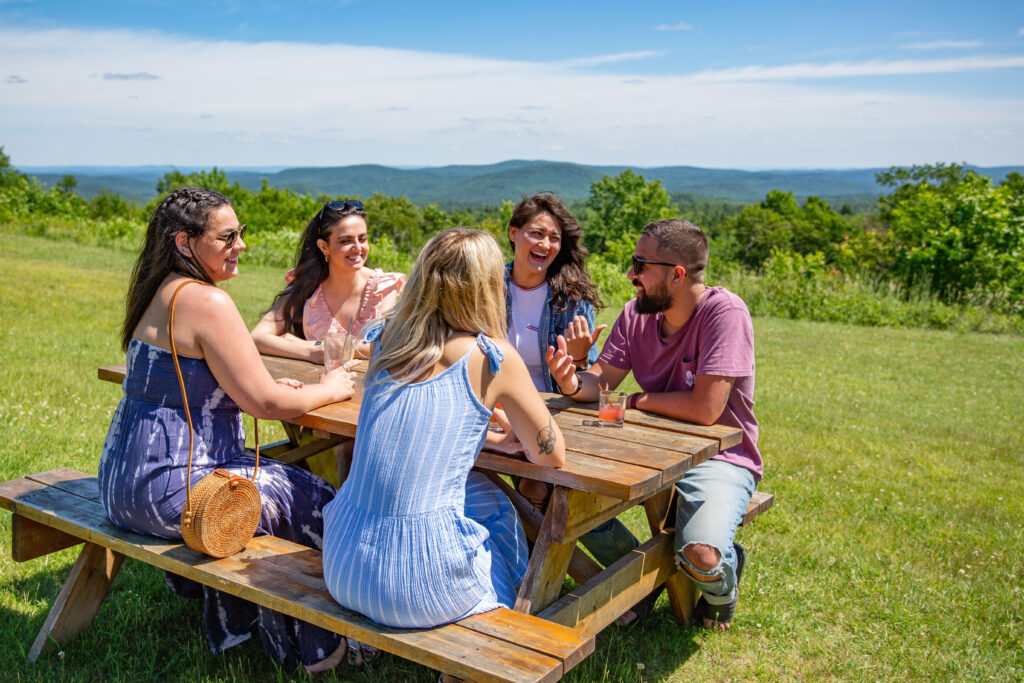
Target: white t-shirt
(525,332)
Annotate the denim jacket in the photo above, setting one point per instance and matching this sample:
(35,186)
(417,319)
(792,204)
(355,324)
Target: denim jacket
(552,326)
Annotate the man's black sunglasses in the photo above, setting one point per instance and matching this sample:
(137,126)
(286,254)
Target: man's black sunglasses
(639,264)
(344,205)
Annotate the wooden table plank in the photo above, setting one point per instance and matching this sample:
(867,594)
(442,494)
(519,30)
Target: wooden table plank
(581,471)
(656,439)
(726,436)
(569,645)
(595,441)
(82,485)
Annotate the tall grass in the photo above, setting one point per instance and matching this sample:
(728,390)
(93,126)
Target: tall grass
(895,550)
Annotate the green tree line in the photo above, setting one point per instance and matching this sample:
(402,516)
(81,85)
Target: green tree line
(943,231)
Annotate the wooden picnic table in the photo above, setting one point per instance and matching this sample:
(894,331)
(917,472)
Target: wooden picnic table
(607,471)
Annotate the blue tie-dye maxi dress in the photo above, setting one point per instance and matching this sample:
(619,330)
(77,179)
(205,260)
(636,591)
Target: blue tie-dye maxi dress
(142,486)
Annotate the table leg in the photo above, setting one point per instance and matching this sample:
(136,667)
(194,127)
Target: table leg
(582,567)
(548,562)
(682,593)
(80,598)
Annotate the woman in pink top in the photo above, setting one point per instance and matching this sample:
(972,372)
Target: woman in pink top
(331,285)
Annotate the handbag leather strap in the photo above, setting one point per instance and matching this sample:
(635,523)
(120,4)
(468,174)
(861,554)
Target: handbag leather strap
(188,413)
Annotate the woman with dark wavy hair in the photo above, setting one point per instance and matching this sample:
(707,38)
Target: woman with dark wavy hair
(329,286)
(193,243)
(548,291)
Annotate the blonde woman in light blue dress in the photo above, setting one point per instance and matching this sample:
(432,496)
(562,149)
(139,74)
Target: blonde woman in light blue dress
(413,538)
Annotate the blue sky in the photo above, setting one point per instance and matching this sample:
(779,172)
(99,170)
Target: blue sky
(811,84)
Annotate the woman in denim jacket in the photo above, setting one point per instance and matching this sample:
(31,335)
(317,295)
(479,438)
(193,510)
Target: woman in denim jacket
(547,289)
(548,293)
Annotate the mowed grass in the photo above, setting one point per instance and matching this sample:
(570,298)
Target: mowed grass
(894,550)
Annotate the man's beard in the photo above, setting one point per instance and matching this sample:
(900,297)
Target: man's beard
(653,302)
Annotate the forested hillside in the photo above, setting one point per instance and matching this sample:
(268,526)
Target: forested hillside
(489,185)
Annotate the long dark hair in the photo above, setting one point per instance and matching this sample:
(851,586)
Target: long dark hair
(567,276)
(186,210)
(310,267)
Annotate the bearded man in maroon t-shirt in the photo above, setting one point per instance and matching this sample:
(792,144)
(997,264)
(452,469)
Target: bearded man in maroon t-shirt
(691,350)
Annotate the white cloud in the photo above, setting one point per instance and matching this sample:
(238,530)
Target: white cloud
(275,103)
(942,45)
(681,26)
(904,67)
(138,76)
(612,59)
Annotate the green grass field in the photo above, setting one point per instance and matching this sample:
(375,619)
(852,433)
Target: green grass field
(895,549)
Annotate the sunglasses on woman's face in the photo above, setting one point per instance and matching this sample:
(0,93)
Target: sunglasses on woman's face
(639,264)
(237,233)
(343,205)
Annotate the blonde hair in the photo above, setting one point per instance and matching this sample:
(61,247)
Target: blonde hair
(456,285)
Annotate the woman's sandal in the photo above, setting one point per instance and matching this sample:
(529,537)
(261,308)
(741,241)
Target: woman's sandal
(722,614)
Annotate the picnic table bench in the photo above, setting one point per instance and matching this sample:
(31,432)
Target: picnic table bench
(60,508)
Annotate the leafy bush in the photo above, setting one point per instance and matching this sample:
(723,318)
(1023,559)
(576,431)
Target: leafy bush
(806,287)
(946,251)
(950,230)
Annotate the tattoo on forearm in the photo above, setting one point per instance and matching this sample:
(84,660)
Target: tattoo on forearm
(546,439)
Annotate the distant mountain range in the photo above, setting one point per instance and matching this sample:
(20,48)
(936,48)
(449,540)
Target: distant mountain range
(453,186)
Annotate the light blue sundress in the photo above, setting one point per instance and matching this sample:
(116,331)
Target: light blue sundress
(413,539)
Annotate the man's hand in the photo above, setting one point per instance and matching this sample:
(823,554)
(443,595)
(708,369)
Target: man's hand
(579,338)
(561,366)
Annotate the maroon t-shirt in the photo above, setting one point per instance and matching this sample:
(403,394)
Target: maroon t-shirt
(718,339)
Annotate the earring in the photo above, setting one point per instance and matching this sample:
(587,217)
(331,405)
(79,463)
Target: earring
(327,259)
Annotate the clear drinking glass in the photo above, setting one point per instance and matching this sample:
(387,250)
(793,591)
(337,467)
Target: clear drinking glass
(612,408)
(339,348)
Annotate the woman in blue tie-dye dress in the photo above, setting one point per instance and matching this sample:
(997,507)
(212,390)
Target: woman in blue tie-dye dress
(413,538)
(194,235)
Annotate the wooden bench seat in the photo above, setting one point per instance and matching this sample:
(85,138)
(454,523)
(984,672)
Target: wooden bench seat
(60,508)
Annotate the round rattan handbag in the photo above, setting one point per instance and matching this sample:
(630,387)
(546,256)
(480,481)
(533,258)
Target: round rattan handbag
(223,510)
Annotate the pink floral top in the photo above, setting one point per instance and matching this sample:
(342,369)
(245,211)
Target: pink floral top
(381,289)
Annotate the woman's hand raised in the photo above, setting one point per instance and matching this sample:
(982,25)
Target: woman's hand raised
(579,338)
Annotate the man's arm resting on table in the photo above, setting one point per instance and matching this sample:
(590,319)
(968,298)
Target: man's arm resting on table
(703,405)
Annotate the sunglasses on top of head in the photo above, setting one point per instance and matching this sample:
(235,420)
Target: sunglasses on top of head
(236,234)
(639,264)
(343,205)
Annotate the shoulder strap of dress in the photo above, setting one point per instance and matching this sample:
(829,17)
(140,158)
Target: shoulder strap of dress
(491,350)
(371,335)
